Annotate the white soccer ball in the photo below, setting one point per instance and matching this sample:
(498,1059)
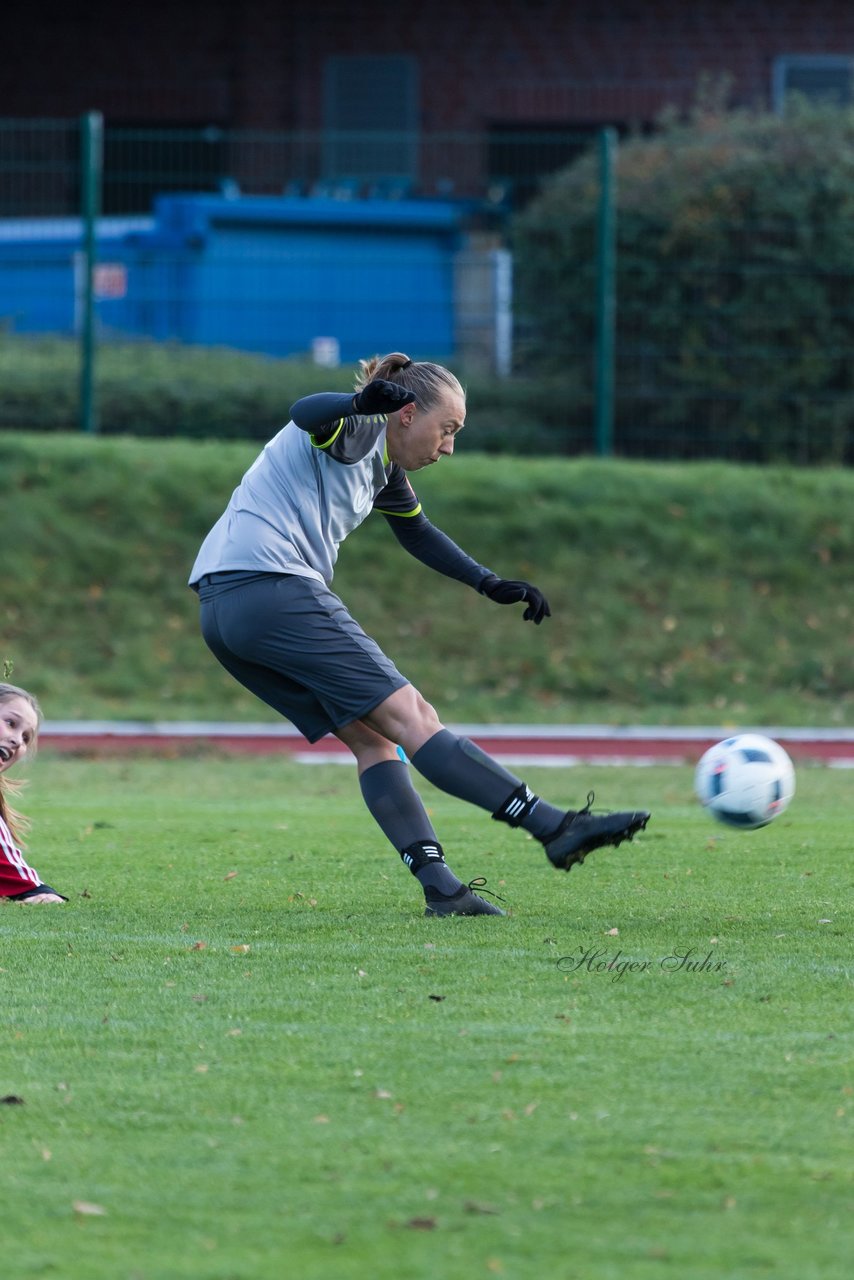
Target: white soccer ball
(746,781)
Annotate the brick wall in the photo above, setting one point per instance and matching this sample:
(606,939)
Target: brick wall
(259,63)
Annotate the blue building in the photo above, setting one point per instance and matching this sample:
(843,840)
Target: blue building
(263,274)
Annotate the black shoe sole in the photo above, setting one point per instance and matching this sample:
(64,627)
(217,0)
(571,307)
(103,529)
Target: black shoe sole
(576,853)
(460,904)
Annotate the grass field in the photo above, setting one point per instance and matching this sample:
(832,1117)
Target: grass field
(244,1054)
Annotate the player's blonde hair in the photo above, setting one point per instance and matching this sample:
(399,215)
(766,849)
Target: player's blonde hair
(428,382)
(16,822)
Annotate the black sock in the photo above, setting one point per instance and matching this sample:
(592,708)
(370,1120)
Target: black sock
(458,766)
(523,809)
(395,805)
(399,811)
(427,863)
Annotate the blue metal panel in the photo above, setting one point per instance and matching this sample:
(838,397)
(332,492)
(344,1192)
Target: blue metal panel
(38,283)
(261,274)
(262,291)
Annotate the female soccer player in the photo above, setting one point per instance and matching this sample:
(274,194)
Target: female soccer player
(269,616)
(20,718)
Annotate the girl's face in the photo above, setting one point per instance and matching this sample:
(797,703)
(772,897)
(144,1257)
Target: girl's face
(18,728)
(418,437)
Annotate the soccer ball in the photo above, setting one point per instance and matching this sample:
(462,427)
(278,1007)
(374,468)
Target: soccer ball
(745,781)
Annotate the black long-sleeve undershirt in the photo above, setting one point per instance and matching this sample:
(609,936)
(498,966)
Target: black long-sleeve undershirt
(421,538)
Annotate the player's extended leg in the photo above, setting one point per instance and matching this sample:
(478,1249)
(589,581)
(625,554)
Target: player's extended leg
(458,766)
(399,811)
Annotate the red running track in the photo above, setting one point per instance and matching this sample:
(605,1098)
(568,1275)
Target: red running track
(530,744)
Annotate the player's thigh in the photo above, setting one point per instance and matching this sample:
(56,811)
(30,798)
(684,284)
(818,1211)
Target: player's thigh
(299,629)
(290,698)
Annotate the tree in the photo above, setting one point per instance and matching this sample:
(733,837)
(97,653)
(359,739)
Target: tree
(735,311)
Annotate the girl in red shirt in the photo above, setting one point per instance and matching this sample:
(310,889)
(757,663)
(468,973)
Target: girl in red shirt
(20,717)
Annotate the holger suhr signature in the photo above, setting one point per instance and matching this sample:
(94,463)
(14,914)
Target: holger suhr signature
(599,960)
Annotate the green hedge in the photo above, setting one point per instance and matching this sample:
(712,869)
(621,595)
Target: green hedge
(153,389)
(735,267)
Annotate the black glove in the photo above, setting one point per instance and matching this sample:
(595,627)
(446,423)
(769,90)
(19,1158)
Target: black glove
(381,397)
(505,591)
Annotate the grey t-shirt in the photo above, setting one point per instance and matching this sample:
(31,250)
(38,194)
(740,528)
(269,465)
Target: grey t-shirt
(301,498)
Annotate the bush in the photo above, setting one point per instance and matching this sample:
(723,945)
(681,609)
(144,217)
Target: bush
(152,389)
(734,271)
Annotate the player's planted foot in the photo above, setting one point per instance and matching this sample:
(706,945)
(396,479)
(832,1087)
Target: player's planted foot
(461,903)
(582,832)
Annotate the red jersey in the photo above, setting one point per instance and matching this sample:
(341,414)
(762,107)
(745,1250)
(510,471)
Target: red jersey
(15,875)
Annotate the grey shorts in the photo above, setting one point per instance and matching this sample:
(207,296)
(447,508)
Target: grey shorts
(291,641)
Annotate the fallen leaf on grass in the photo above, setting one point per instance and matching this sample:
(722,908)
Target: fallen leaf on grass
(241,949)
(88,1209)
(12,1100)
(321,1119)
(437,998)
(478,1206)
(198,946)
(230,875)
(421,1224)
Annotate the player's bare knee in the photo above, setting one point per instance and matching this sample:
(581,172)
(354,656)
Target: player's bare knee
(426,715)
(405,718)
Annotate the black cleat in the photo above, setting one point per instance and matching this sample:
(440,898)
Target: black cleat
(582,832)
(463,902)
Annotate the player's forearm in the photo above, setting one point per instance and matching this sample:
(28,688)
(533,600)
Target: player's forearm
(435,549)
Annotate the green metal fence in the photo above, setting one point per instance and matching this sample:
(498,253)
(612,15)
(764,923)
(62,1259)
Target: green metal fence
(67,178)
(705,383)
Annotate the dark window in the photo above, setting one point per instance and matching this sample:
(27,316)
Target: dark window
(820,77)
(519,157)
(371,118)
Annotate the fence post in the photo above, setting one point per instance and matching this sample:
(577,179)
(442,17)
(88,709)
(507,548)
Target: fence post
(606,258)
(91,165)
